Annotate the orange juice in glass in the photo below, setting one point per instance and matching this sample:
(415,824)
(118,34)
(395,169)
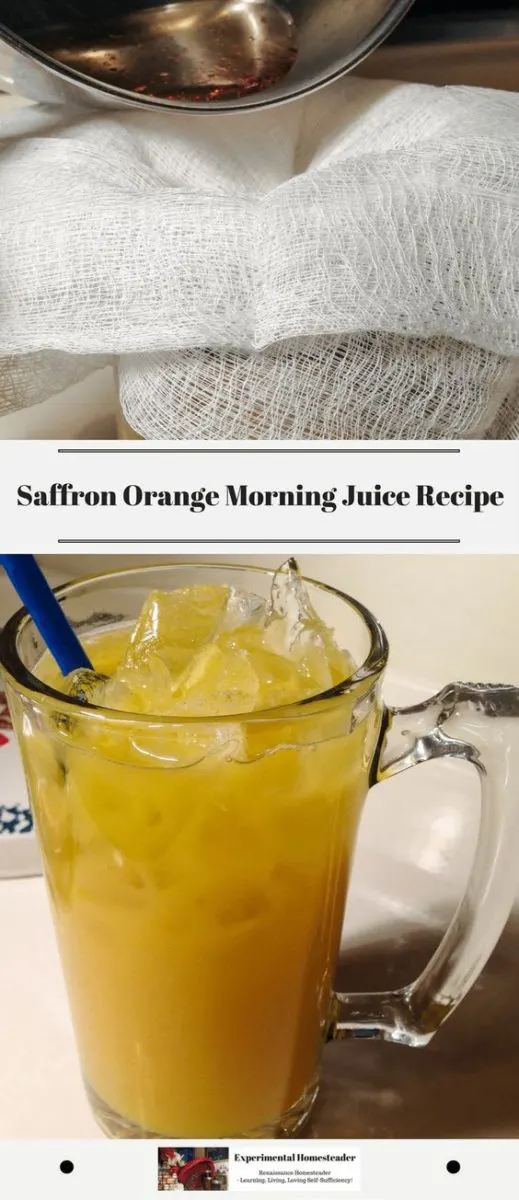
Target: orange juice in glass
(197,804)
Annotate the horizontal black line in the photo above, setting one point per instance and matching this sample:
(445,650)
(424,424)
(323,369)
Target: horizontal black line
(259,450)
(245,541)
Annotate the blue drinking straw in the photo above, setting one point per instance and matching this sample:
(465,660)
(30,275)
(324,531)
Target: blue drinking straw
(38,598)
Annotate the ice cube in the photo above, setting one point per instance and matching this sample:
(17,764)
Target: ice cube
(172,666)
(174,625)
(243,608)
(145,688)
(289,610)
(294,629)
(216,683)
(86,685)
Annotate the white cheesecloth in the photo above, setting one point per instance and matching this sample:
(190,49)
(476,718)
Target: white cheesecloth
(344,266)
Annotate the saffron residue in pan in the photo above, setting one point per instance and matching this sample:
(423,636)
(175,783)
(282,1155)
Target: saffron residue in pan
(157,87)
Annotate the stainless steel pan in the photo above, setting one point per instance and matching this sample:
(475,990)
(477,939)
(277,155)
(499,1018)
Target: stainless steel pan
(201,55)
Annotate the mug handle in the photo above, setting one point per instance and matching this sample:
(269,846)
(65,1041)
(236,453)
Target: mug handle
(474,723)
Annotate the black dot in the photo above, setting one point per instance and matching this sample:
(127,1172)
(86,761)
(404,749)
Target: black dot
(66,1166)
(453,1166)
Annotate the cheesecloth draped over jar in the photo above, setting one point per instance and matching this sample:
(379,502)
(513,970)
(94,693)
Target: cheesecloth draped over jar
(346,266)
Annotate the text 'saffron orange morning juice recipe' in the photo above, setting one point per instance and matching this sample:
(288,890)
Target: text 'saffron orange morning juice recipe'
(198,870)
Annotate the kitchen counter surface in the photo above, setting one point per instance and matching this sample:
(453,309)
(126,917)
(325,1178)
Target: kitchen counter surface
(443,43)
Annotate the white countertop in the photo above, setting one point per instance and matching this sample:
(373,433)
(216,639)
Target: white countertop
(86,410)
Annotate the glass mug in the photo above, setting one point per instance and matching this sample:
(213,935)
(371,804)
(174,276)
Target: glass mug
(198,869)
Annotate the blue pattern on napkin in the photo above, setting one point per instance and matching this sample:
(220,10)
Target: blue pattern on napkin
(17,819)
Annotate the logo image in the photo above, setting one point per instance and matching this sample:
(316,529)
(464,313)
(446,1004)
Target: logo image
(193,1169)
